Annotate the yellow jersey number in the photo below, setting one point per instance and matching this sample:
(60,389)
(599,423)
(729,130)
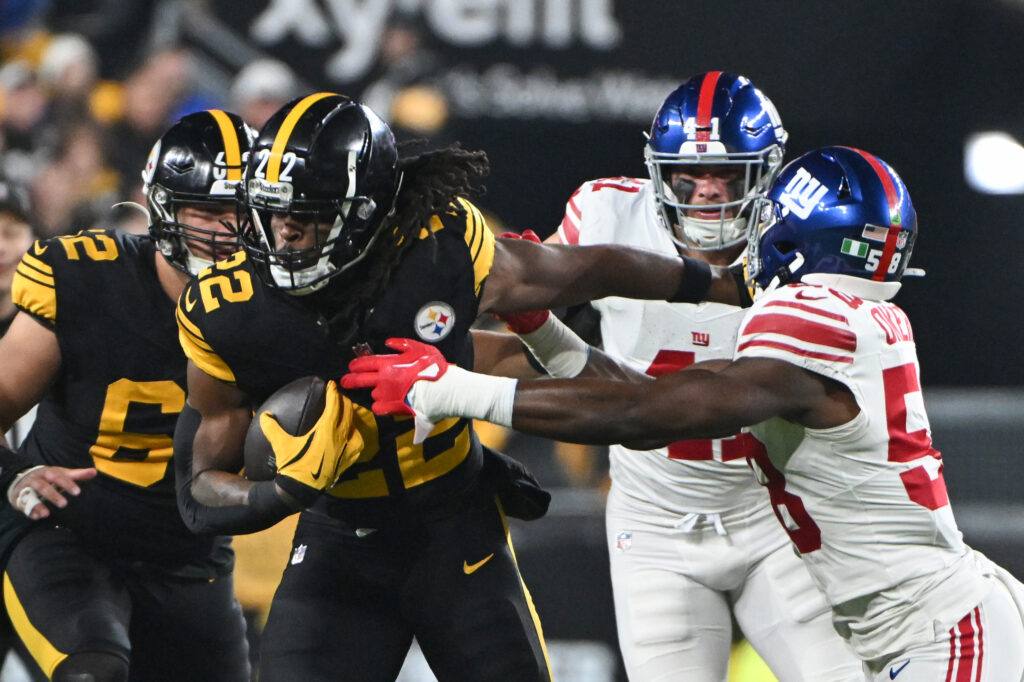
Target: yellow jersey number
(97,246)
(215,285)
(146,469)
(363,481)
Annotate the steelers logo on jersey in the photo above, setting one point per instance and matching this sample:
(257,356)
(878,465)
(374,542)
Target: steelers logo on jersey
(434,321)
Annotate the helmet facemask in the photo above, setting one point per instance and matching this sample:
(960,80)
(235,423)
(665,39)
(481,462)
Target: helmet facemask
(177,240)
(754,172)
(343,232)
(784,257)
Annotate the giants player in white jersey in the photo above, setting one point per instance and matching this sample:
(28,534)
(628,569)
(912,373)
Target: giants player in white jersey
(825,373)
(690,532)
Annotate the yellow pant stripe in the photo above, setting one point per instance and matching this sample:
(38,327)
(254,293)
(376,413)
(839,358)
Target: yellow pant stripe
(45,654)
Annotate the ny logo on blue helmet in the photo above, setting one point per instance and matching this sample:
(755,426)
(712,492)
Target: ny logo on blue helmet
(836,216)
(715,123)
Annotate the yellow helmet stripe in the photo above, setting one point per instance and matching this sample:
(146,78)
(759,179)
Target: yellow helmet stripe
(281,141)
(232,153)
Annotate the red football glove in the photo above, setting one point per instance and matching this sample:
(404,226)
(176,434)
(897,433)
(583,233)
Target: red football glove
(530,320)
(392,376)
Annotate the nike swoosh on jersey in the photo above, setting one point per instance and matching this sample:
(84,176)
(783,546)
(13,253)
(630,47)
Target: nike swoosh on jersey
(804,297)
(893,672)
(40,249)
(189,305)
(469,568)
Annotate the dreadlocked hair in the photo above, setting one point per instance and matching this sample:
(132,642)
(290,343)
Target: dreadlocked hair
(431,181)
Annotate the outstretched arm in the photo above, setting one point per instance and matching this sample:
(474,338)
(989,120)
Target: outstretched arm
(697,403)
(530,276)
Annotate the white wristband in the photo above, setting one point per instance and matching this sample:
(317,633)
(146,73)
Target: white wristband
(557,348)
(460,393)
(27,498)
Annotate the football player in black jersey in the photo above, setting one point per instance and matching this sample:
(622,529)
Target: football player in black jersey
(104,581)
(348,243)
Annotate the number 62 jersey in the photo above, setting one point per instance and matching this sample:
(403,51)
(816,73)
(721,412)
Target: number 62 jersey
(115,401)
(864,502)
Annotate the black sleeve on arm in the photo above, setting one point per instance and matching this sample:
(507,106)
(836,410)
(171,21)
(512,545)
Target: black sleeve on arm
(740,276)
(11,464)
(696,281)
(265,507)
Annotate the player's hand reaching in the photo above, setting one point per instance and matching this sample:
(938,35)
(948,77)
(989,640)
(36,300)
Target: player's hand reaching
(38,485)
(418,381)
(530,320)
(393,378)
(312,462)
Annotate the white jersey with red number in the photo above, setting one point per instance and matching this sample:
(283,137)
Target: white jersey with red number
(656,337)
(865,502)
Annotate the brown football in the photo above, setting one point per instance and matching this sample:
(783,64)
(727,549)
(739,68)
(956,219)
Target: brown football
(296,406)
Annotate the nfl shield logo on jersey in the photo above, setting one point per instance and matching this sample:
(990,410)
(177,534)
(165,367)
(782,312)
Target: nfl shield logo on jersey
(624,540)
(434,321)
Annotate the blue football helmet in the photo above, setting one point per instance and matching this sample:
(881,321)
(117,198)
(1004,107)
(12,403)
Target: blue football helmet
(714,119)
(835,211)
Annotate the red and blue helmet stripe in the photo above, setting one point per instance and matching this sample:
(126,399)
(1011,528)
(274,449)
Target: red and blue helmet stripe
(843,210)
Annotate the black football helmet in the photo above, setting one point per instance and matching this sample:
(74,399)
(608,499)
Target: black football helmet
(322,159)
(198,162)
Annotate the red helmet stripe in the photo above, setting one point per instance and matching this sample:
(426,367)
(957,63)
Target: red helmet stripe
(895,220)
(704,104)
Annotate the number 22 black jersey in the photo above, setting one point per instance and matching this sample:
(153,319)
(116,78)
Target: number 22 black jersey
(117,396)
(259,338)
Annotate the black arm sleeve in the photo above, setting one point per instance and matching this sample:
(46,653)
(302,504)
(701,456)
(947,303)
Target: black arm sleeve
(11,464)
(264,507)
(693,288)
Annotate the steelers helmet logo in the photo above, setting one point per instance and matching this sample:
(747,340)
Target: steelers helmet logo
(150,169)
(434,321)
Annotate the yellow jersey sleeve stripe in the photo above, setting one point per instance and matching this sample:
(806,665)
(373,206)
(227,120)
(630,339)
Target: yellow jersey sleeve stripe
(232,152)
(37,264)
(46,654)
(26,270)
(208,361)
(287,128)
(473,220)
(32,293)
(480,241)
(185,326)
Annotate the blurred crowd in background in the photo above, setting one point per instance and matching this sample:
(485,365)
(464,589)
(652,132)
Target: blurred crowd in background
(77,142)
